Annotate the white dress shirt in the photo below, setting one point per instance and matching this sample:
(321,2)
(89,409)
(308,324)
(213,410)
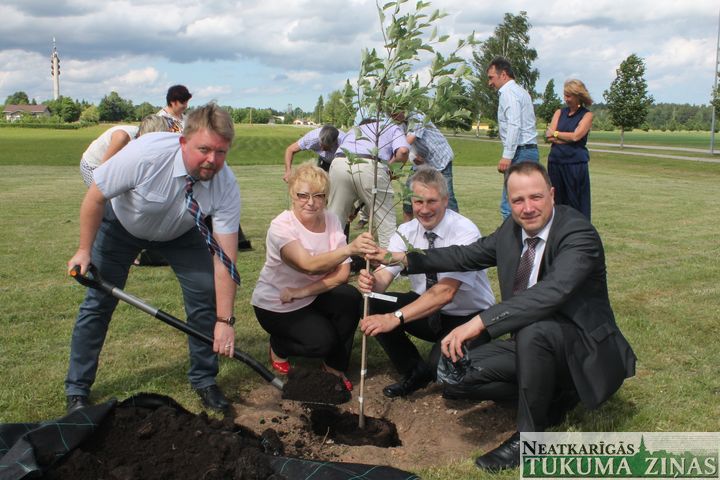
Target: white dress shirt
(539,250)
(516,118)
(474,293)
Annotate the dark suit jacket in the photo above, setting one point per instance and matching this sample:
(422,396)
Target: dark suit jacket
(572,287)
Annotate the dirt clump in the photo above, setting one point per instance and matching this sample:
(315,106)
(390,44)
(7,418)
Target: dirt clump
(136,443)
(315,386)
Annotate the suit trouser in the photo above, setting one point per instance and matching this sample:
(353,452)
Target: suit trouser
(324,329)
(533,364)
(349,183)
(400,349)
(113,253)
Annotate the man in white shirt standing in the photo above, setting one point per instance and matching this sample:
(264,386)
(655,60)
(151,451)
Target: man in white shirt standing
(516,121)
(437,303)
(140,201)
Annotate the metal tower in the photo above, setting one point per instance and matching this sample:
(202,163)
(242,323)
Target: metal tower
(55,71)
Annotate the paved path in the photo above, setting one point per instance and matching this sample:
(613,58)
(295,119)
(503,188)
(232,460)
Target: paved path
(591,145)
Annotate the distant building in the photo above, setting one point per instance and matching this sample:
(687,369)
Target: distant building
(14,113)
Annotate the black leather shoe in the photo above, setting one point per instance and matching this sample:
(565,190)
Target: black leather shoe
(461,392)
(76,402)
(507,455)
(212,397)
(418,378)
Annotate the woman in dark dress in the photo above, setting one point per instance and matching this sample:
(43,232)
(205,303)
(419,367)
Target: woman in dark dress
(568,159)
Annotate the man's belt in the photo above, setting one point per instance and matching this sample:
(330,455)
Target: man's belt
(529,146)
(359,155)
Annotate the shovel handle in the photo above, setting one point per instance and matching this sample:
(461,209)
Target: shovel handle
(94,280)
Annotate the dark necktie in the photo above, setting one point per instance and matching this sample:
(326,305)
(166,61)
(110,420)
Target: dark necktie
(431,279)
(522,275)
(192,206)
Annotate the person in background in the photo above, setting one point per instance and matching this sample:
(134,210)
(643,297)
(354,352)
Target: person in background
(353,181)
(428,146)
(177,99)
(516,121)
(323,141)
(569,157)
(112,141)
(302,298)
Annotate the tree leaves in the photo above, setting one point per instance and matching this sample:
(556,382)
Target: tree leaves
(627,97)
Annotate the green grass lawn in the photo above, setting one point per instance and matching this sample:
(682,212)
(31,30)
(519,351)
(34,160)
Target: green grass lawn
(657,219)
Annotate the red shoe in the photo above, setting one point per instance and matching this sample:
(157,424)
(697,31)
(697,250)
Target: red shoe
(282,367)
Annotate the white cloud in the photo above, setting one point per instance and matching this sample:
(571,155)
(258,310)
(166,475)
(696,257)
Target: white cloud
(136,46)
(211,92)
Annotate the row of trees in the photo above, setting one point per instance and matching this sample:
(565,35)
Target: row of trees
(114,108)
(627,102)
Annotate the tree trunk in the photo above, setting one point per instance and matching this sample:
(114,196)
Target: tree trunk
(622,137)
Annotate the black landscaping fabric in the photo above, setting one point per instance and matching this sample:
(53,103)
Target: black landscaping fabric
(33,450)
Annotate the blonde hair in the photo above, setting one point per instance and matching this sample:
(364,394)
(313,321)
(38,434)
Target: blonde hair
(577,88)
(212,118)
(311,174)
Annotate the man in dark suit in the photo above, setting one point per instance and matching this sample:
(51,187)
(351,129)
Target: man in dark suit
(564,344)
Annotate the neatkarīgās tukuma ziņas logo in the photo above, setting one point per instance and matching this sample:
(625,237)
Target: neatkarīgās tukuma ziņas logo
(569,455)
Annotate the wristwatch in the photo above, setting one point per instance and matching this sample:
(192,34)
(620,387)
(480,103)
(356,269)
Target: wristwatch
(399,315)
(556,133)
(230,320)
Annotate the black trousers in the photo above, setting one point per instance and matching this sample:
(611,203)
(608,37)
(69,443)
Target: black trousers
(531,367)
(572,185)
(399,348)
(324,329)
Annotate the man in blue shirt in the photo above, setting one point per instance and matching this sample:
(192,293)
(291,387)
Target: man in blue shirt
(516,121)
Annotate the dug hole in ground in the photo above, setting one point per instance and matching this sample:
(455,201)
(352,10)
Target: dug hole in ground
(432,431)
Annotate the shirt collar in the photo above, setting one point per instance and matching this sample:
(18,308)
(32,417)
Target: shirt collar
(506,86)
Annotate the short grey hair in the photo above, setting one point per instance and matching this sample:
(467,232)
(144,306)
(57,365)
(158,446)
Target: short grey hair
(431,177)
(153,123)
(328,136)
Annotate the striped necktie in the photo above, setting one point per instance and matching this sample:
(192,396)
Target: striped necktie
(522,275)
(192,206)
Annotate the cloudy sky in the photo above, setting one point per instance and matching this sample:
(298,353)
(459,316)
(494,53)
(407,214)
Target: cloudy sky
(271,53)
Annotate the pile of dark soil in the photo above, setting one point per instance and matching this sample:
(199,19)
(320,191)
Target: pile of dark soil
(343,427)
(135,442)
(315,386)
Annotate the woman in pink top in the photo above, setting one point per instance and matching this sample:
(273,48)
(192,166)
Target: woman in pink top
(302,298)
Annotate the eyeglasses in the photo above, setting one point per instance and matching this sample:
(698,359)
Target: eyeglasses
(304,196)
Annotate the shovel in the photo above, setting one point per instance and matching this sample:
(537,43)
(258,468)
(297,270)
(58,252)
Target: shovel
(94,280)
